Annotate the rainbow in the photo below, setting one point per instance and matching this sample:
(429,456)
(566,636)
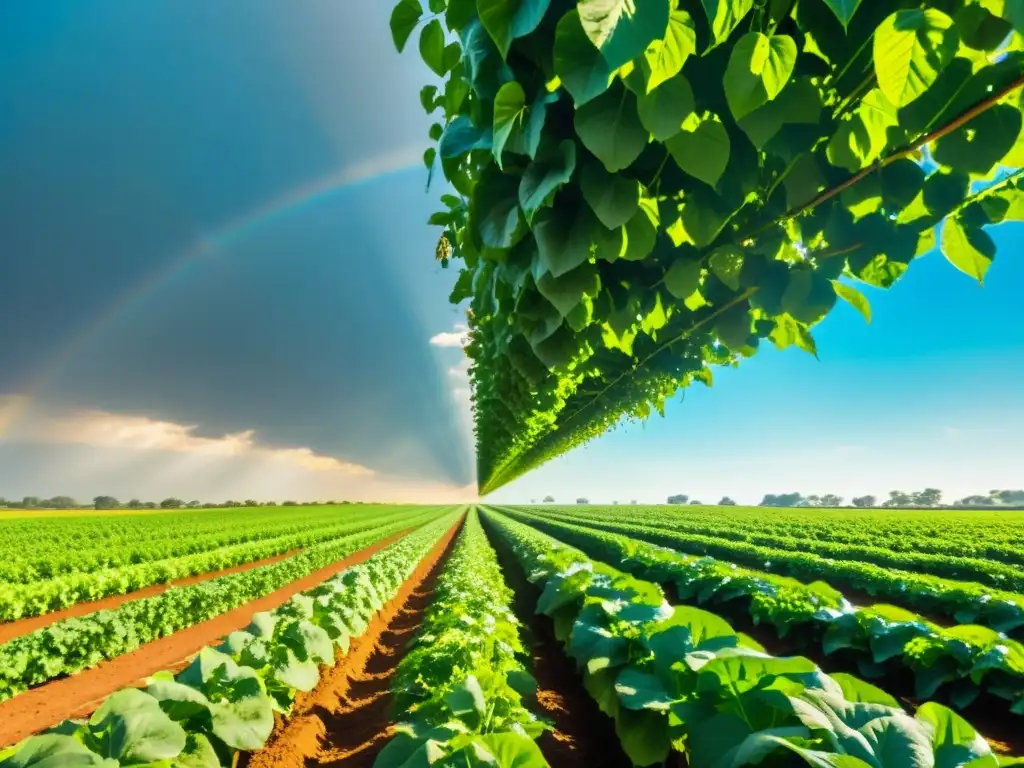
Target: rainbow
(206,246)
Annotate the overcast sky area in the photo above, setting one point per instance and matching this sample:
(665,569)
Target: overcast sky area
(216,281)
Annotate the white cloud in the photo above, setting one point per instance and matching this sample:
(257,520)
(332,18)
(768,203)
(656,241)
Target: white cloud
(110,430)
(457,338)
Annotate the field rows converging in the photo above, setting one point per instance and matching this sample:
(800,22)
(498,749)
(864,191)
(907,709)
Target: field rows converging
(539,638)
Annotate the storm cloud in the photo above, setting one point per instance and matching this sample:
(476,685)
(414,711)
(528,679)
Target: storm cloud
(174,248)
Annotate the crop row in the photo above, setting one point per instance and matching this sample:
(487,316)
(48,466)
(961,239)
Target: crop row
(72,645)
(41,597)
(980,535)
(950,563)
(225,700)
(462,690)
(962,660)
(42,548)
(680,678)
(964,602)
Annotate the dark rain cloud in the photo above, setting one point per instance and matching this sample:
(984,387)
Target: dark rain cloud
(140,128)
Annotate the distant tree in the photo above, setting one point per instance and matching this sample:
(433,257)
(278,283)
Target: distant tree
(679,498)
(929,497)
(254,503)
(105,502)
(194,504)
(1008,498)
(696,502)
(864,501)
(812,501)
(274,503)
(782,500)
(30,502)
(533,501)
(582,500)
(171,503)
(209,505)
(831,500)
(549,499)
(616,503)
(289,504)
(898,499)
(134,504)
(633,501)
(60,502)
(725,501)
(974,501)
(148,505)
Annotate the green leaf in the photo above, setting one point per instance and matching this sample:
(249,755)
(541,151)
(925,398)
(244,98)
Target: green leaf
(578,64)
(610,128)
(665,58)
(726,263)
(52,750)
(198,753)
(564,242)
(644,736)
(567,291)
(507,20)
(513,750)
(855,689)
(759,68)
(460,136)
(641,690)
(613,197)
(432,47)
(1011,10)
(683,277)
(980,144)
(496,210)
(911,48)
(509,108)
(641,231)
(702,147)
(623,29)
(863,134)
(663,110)
(854,298)
(954,741)
(290,671)
(724,16)
(309,641)
(969,250)
(843,9)
(466,698)
(131,727)
(808,296)
(545,175)
(244,724)
(404,18)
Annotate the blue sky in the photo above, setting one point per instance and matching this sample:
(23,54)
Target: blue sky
(218,282)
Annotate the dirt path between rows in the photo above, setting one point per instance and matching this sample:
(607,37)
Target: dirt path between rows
(19,627)
(584,737)
(346,720)
(79,695)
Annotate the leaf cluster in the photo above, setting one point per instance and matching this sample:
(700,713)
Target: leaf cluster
(225,700)
(645,191)
(680,678)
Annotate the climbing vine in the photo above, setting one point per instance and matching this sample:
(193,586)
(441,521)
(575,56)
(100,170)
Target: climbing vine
(643,190)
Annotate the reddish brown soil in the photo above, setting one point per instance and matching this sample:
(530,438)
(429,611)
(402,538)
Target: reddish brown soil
(12,629)
(583,736)
(79,695)
(346,719)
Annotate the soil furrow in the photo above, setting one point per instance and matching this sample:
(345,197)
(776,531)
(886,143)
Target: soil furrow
(583,736)
(77,696)
(347,719)
(19,627)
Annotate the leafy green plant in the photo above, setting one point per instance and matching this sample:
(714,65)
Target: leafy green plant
(963,660)
(224,701)
(682,678)
(646,191)
(463,692)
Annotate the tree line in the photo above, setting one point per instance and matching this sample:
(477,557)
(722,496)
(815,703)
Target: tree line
(110,502)
(929,497)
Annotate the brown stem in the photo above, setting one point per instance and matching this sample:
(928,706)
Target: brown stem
(923,140)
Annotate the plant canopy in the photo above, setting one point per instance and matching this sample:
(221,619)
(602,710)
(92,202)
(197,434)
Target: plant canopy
(642,190)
